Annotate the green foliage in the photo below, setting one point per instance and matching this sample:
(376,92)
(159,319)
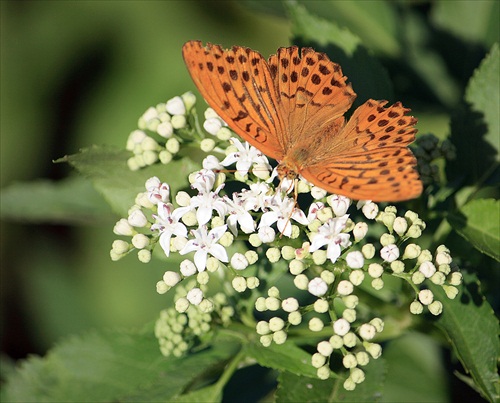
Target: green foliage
(113,366)
(479,223)
(127,366)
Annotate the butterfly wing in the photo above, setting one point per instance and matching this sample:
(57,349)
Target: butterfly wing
(312,93)
(237,84)
(371,160)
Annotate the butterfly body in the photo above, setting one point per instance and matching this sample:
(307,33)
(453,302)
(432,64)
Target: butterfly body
(291,107)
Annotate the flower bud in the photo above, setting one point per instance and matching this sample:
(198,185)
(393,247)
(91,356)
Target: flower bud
(171,278)
(273,304)
(181,305)
(144,256)
(363,358)
(349,361)
(301,282)
(367,331)
(321,306)
(137,219)
(239,284)
(122,227)
(349,315)
(318,360)
(375,270)
(273,254)
(389,253)
(290,304)
(323,372)
(266,340)
(355,260)
(351,301)
(397,266)
(260,304)
(359,231)
(316,325)
(317,287)
(325,348)
(345,287)
(387,239)
(276,324)
(400,225)
(195,296)
(295,318)
(377,283)
(296,267)
(356,277)
(239,261)
(175,106)
(120,247)
(436,308)
(368,251)
(341,327)
(426,297)
(279,337)
(140,241)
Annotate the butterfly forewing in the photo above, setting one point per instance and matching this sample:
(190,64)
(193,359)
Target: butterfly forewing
(312,92)
(237,84)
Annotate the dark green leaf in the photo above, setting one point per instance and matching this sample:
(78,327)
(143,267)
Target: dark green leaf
(484,95)
(472,21)
(111,366)
(472,329)
(479,223)
(294,388)
(415,371)
(70,201)
(107,168)
(368,77)
(284,357)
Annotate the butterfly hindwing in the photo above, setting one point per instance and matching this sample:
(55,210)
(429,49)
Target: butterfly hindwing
(237,84)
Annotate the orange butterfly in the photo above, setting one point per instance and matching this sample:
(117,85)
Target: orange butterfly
(291,107)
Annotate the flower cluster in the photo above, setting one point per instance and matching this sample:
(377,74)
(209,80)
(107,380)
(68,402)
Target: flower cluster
(428,149)
(331,251)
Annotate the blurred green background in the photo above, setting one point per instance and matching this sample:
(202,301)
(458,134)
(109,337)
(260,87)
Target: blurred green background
(76,73)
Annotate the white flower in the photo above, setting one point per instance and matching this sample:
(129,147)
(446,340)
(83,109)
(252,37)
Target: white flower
(313,210)
(211,162)
(245,156)
(330,234)
(204,202)
(238,214)
(282,212)
(204,180)
(167,225)
(157,191)
(317,287)
(339,204)
(205,243)
(257,197)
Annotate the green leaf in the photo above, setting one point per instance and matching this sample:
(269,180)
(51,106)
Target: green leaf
(484,95)
(294,388)
(472,21)
(69,201)
(111,366)
(368,77)
(284,357)
(479,223)
(107,168)
(472,329)
(415,370)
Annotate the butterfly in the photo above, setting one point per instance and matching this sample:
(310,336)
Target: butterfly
(291,107)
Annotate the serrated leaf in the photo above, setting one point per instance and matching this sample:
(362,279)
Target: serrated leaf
(107,168)
(294,388)
(69,201)
(368,77)
(111,366)
(479,223)
(472,329)
(484,95)
(284,357)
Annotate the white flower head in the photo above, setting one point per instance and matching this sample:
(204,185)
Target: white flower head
(204,180)
(167,225)
(282,212)
(238,214)
(206,243)
(204,203)
(245,156)
(330,233)
(157,191)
